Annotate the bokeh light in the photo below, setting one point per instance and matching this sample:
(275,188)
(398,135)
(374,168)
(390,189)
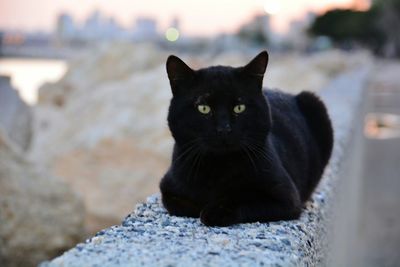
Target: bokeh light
(172,34)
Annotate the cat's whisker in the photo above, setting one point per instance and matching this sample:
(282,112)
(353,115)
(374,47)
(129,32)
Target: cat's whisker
(258,150)
(244,148)
(195,157)
(257,153)
(255,141)
(191,142)
(263,154)
(201,156)
(262,157)
(187,150)
(254,152)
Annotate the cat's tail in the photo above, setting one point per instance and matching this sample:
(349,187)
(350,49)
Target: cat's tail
(318,120)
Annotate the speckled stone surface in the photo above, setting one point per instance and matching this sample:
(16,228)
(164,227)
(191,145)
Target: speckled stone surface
(150,237)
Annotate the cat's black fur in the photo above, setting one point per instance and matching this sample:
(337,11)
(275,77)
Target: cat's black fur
(259,165)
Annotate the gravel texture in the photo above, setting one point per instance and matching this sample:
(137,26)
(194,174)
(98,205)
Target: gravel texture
(150,237)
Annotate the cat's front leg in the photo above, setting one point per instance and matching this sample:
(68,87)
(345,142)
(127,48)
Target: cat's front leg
(268,211)
(254,211)
(219,214)
(284,204)
(180,206)
(175,202)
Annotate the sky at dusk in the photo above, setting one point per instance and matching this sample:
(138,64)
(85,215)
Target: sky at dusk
(205,17)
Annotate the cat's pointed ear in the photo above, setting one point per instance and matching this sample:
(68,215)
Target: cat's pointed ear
(178,70)
(257,65)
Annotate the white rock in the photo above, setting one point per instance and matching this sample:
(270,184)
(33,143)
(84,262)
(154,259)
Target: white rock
(15,115)
(39,215)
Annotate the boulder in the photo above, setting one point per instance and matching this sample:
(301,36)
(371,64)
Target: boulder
(111,146)
(40,216)
(116,62)
(15,115)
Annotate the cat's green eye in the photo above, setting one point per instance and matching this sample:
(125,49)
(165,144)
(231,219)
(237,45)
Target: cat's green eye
(204,109)
(239,108)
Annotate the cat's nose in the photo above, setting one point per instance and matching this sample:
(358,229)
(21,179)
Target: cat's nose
(224,128)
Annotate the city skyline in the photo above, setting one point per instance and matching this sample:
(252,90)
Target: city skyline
(42,14)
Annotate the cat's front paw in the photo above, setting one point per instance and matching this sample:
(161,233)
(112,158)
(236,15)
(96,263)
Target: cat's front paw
(218,215)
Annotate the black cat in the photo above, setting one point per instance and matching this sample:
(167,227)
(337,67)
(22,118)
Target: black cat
(241,154)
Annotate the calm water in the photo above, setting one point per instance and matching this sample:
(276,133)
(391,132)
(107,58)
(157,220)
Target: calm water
(27,75)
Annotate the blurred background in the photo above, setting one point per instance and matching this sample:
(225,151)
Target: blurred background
(84,97)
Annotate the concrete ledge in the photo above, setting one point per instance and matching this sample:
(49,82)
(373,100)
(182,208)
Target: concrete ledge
(150,237)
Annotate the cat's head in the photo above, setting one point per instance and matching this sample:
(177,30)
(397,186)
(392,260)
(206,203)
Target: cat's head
(219,108)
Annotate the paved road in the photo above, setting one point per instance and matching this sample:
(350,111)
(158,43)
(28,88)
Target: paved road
(380,217)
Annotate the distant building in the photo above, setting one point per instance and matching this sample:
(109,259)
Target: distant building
(257,31)
(176,23)
(145,29)
(100,28)
(1,42)
(297,36)
(93,27)
(65,28)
